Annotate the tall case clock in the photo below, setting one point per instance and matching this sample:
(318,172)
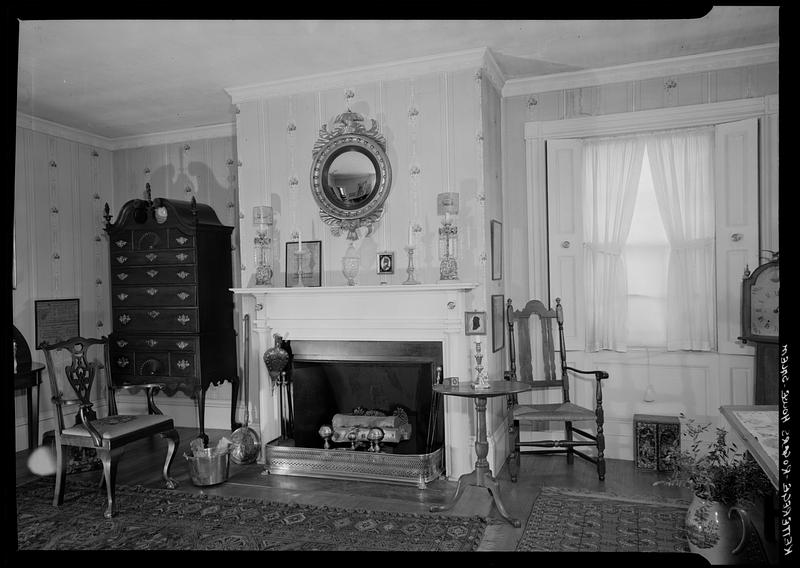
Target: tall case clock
(761,326)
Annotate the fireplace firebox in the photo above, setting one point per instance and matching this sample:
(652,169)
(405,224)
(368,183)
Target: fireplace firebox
(354,378)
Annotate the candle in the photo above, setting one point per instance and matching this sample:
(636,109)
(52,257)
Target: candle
(299,240)
(410,234)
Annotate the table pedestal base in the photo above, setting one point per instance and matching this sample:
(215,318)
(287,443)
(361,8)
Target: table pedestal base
(479,477)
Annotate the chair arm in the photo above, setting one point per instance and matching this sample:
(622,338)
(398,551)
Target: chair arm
(86,422)
(599,375)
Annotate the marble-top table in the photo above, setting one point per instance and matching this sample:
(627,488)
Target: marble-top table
(757,427)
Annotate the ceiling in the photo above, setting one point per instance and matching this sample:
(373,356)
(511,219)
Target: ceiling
(120,78)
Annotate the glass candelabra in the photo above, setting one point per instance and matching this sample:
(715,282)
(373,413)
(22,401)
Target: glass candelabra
(447,209)
(262,244)
(481,376)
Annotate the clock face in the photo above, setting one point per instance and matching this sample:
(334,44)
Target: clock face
(764,303)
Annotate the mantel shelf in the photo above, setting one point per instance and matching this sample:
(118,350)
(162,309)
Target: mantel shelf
(320,290)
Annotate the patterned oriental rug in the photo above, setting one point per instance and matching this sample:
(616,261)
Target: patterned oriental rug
(568,520)
(160,519)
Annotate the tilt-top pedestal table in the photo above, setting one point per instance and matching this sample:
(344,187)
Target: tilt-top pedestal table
(481,476)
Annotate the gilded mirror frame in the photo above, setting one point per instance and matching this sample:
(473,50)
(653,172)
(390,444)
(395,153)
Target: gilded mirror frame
(348,134)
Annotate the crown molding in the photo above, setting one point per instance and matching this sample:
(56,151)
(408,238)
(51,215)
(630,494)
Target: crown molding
(767,53)
(54,129)
(173,136)
(385,71)
(493,72)
(125,142)
(644,120)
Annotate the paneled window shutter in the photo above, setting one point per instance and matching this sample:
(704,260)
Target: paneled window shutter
(737,190)
(565,230)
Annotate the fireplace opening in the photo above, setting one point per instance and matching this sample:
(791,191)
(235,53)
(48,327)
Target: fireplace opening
(343,380)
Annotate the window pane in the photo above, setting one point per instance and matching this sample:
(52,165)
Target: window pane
(647,322)
(646,255)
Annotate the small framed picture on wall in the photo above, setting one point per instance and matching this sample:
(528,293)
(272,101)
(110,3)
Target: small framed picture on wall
(498,322)
(497,249)
(57,320)
(475,323)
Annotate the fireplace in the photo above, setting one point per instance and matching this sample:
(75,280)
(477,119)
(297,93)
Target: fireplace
(395,333)
(331,378)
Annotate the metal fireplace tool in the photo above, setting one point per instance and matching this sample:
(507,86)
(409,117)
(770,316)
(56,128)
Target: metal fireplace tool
(245,441)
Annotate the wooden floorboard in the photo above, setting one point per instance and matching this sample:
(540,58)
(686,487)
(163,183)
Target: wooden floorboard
(142,463)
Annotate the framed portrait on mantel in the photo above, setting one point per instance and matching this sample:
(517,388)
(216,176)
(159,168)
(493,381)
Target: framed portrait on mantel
(385,263)
(307,265)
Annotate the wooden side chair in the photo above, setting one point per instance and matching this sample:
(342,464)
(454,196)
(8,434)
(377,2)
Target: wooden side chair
(108,436)
(549,376)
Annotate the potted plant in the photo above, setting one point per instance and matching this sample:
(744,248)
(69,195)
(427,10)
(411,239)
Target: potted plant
(724,482)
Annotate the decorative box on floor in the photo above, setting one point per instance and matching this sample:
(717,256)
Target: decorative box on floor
(654,437)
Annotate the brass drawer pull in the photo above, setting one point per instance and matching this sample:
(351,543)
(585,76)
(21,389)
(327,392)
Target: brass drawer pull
(181,256)
(152,291)
(154,313)
(182,274)
(122,342)
(183,363)
(182,240)
(122,275)
(182,295)
(122,259)
(123,362)
(122,296)
(124,319)
(121,243)
(152,273)
(151,342)
(182,344)
(151,256)
(183,319)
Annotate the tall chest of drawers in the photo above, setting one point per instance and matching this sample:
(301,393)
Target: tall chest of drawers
(172,306)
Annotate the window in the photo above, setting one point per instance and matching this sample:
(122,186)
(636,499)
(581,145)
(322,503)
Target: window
(646,254)
(703,305)
(646,212)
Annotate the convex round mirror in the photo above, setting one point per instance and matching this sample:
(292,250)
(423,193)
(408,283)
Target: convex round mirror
(350,174)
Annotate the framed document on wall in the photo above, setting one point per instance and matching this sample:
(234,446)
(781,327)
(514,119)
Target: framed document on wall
(497,249)
(498,322)
(57,320)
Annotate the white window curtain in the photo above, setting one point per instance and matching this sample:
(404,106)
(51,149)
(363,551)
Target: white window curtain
(682,167)
(612,167)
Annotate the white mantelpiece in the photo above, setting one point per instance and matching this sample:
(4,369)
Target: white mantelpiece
(422,312)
